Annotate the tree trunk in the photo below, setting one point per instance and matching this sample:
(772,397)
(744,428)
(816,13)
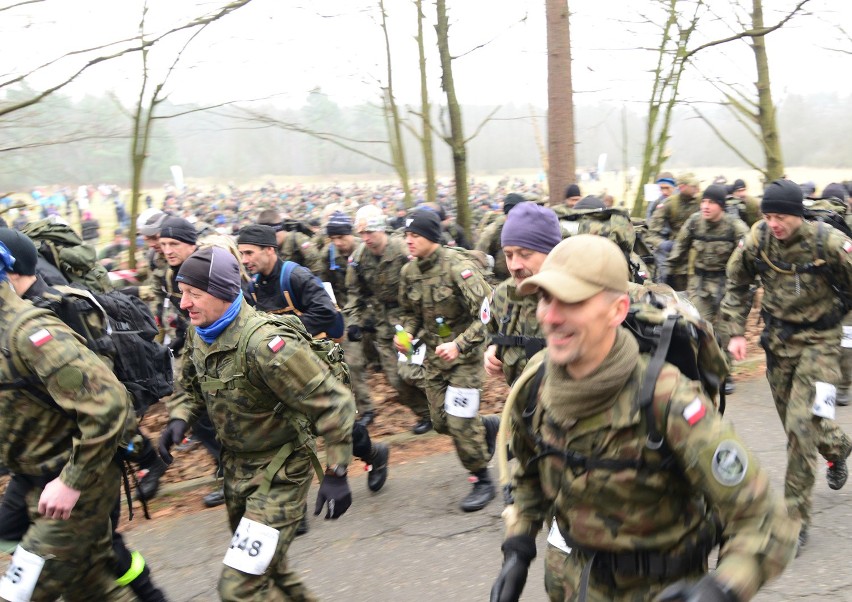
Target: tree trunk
(425,113)
(766,109)
(560,101)
(394,129)
(456,138)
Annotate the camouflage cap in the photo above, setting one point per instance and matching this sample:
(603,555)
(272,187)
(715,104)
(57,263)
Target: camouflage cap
(578,268)
(688,179)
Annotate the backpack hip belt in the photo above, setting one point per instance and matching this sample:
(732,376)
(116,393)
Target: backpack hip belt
(531,345)
(788,329)
(280,457)
(709,273)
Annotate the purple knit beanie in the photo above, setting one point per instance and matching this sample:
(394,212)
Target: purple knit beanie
(532,227)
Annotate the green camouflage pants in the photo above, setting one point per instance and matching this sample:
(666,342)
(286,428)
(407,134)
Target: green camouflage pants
(410,395)
(353,354)
(791,380)
(78,551)
(846,358)
(705,293)
(468,433)
(281,508)
(563,574)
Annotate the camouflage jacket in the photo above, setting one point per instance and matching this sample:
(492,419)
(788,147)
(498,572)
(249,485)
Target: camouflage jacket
(713,243)
(372,282)
(653,507)
(289,391)
(669,217)
(747,209)
(334,266)
(796,298)
(444,285)
(513,316)
(301,249)
(490,243)
(71,413)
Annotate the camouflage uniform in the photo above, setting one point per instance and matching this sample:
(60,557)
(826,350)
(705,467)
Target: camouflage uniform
(514,329)
(300,248)
(667,220)
(747,209)
(641,529)
(334,272)
(490,244)
(265,421)
(67,424)
(713,243)
(446,285)
(372,283)
(801,338)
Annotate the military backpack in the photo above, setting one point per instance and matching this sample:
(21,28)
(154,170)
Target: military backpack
(63,249)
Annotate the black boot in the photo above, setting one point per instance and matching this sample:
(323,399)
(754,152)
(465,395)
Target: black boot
(367,418)
(378,466)
(148,478)
(214,498)
(483,492)
(803,541)
(424,425)
(145,589)
(304,525)
(730,387)
(492,425)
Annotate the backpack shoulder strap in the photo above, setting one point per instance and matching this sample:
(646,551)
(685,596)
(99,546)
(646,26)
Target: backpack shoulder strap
(649,385)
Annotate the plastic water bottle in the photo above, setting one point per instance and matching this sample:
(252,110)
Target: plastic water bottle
(404,339)
(444,329)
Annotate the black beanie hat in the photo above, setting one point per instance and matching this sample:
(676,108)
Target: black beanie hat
(738,184)
(572,190)
(510,201)
(590,202)
(716,193)
(258,234)
(425,223)
(338,224)
(214,270)
(783,196)
(178,229)
(22,249)
(834,190)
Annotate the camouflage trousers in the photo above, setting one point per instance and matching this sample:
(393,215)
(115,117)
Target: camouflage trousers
(78,551)
(281,508)
(468,433)
(410,395)
(563,575)
(353,354)
(791,379)
(846,359)
(705,293)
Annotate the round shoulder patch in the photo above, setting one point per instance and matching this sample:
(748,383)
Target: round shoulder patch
(69,378)
(730,463)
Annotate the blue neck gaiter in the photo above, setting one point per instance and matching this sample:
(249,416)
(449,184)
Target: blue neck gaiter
(209,333)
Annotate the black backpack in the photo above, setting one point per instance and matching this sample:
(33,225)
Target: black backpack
(122,328)
(829,211)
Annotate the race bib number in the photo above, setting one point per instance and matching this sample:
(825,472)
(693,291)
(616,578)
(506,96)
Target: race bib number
(461,402)
(846,341)
(417,358)
(18,584)
(824,400)
(252,547)
(555,538)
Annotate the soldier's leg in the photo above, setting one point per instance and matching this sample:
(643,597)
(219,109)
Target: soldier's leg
(77,552)
(779,373)
(130,568)
(844,390)
(14,518)
(250,510)
(409,395)
(353,353)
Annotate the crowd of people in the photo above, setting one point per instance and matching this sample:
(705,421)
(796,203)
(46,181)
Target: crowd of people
(273,301)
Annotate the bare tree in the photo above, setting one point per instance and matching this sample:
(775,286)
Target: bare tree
(425,136)
(560,100)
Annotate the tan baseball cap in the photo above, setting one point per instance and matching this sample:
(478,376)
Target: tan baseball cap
(579,268)
(688,179)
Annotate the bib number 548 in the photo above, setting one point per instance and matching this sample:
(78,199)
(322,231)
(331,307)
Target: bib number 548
(252,547)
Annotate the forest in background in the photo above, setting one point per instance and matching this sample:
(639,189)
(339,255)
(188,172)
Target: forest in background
(90,143)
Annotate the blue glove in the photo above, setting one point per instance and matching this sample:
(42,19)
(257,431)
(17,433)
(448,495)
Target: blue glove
(334,490)
(518,553)
(173,433)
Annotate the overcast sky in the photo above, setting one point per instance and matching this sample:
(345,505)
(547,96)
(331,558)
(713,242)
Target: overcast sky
(274,47)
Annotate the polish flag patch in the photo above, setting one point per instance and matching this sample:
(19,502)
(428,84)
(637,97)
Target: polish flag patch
(276,344)
(41,337)
(466,274)
(694,412)
(847,246)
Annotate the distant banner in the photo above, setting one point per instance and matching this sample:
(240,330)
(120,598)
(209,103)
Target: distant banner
(601,164)
(177,176)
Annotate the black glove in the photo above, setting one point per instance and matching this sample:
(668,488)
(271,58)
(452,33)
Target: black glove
(173,433)
(353,333)
(705,590)
(177,344)
(369,325)
(334,490)
(518,553)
